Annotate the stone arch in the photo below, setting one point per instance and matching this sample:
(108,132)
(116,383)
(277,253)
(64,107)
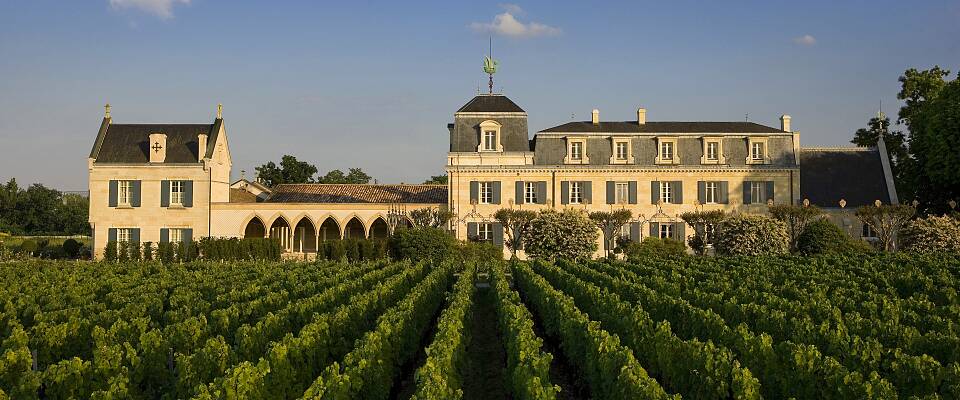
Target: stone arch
(354,228)
(330,229)
(280,229)
(379,229)
(254,227)
(305,236)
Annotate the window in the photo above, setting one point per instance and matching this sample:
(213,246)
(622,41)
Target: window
(666,151)
(123,235)
(756,151)
(576,193)
(176,193)
(712,192)
(756,192)
(666,192)
(124,193)
(576,151)
(486,192)
(713,151)
(666,231)
(176,235)
(621,151)
(530,192)
(485,231)
(621,193)
(490,140)
(867,232)
(624,232)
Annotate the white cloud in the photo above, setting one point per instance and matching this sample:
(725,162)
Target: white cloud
(161,8)
(506,24)
(805,40)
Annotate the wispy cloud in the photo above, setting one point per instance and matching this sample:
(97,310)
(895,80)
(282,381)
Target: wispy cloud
(507,24)
(163,9)
(805,40)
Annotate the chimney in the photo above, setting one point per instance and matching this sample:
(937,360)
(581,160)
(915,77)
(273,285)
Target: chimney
(201,146)
(157,147)
(785,123)
(596,116)
(641,116)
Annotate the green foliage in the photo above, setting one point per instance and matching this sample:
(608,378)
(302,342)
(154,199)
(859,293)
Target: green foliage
(422,243)
(430,217)
(932,235)
(824,237)
(355,176)
(39,210)
(290,170)
(336,250)
(516,224)
(704,225)
(886,221)
(436,180)
(123,251)
(29,247)
(477,253)
(610,224)
(934,134)
(110,252)
(656,248)
(796,218)
(72,248)
(231,249)
(568,234)
(753,235)
(895,141)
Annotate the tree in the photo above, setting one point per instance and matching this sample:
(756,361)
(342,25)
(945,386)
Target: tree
(430,217)
(39,210)
(935,133)
(751,235)
(290,170)
(355,176)
(704,223)
(436,180)
(567,234)
(610,223)
(886,221)
(896,141)
(796,218)
(918,87)
(515,223)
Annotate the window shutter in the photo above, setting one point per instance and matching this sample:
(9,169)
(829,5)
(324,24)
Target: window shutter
(769,191)
(519,194)
(564,192)
(724,192)
(702,192)
(587,191)
(495,186)
(188,193)
(135,198)
(677,188)
(654,230)
(611,189)
(188,235)
(112,202)
(112,234)
(474,192)
(164,193)
(497,233)
(654,192)
(633,192)
(164,235)
(135,235)
(635,231)
(472,230)
(746,193)
(679,231)
(542,192)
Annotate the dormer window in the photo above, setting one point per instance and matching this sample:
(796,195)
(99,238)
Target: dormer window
(576,151)
(490,140)
(758,153)
(667,151)
(489,136)
(713,151)
(622,151)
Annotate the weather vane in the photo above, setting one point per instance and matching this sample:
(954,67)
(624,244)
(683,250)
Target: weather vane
(490,65)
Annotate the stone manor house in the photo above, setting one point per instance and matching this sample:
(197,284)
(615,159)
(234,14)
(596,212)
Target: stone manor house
(172,182)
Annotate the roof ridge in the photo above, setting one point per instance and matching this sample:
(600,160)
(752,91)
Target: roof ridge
(839,148)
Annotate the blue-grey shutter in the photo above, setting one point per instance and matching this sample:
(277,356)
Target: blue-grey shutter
(519,197)
(164,235)
(164,193)
(496,192)
(769,191)
(188,193)
(135,198)
(677,188)
(724,192)
(633,191)
(654,230)
(702,192)
(654,192)
(188,235)
(746,193)
(112,234)
(587,188)
(611,189)
(564,192)
(112,202)
(135,235)
(472,230)
(542,192)
(474,192)
(635,231)
(679,231)
(497,233)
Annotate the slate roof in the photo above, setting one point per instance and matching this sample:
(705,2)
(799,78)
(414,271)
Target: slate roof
(662,127)
(129,143)
(356,193)
(853,174)
(490,103)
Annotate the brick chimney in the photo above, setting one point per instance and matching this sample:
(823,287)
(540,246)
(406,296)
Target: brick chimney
(595,116)
(641,116)
(785,123)
(157,147)
(201,146)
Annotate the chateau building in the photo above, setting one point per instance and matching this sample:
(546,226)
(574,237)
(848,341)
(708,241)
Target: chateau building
(171,182)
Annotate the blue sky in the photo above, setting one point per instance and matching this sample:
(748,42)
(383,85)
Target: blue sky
(373,84)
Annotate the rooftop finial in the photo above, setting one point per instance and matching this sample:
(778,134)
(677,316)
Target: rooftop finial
(106,110)
(490,65)
(219,111)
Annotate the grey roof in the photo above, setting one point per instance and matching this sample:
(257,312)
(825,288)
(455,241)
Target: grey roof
(490,103)
(662,127)
(358,193)
(129,143)
(852,174)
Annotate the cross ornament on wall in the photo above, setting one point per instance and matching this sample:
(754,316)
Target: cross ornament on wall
(157,147)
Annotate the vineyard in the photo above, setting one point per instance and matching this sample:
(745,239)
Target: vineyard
(885,326)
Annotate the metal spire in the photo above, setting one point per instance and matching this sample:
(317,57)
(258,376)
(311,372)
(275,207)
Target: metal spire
(490,65)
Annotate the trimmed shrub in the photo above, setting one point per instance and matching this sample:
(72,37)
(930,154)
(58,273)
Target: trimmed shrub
(110,252)
(751,235)
(353,249)
(825,237)
(123,251)
(932,234)
(422,243)
(656,248)
(480,253)
(148,251)
(232,249)
(568,234)
(165,252)
(134,249)
(337,250)
(71,248)
(29,247)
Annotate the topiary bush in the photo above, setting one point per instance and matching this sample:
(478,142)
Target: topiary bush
(71,248)
(422,243)
(567,234)
(110,252)
(746,234)
(655,247)
(932,234)
(825,237)
(29,247)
